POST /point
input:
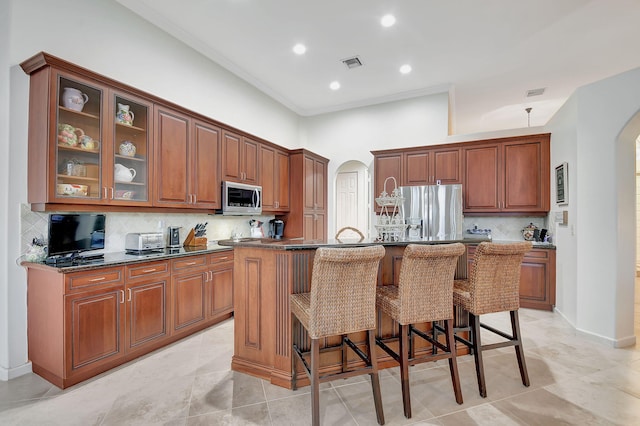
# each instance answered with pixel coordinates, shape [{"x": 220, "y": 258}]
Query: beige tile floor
[{"x": 573, "y": 381}]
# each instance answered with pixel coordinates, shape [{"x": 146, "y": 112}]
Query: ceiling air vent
[
  {"x": 353, "y": 62},
  {"x": 535, "y": 92}
]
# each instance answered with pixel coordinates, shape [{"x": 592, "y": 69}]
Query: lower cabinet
[
  {"x": 83, "y": 323},
  {"x": 537, "y": 278}
]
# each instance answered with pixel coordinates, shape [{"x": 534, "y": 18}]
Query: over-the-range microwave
[{"x": 241, "y": 199}]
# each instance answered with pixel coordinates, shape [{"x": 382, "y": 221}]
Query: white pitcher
[
  {"x": 123, "y": 174},
  {"x": 74, "y": 99}
]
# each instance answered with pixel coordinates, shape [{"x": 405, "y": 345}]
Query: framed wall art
[{"x": 562, "y": 184}]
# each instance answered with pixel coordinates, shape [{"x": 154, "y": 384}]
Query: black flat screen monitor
[{"x": 75, "y": 233}]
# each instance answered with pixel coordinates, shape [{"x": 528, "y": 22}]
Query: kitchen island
[{"x": 267, "y": 271}]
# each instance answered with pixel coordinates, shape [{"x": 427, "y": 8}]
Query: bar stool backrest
[
  {"x": 343, "y": 290},
  {"x": 494, "y": 281},
  {"x": 425, "y": 287}
]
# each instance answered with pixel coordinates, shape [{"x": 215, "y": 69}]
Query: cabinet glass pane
[
  {"x": 79, "y": 150},
  {"x": 131, "y": 153}
]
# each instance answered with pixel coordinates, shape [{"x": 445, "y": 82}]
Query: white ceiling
[{"x": 486, "y": 53}]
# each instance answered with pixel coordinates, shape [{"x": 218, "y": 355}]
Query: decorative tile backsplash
[
  {"x": 34, "y": 225},
  {"x": 118, "y": 225}
]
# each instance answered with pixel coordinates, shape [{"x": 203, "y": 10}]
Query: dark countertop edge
[
  {"x": 548, "y": 246},
  {"x": 301, "y": 244},
  {"x": 122, "y": 259}
]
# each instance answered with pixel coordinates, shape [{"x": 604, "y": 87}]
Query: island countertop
[{"x": 302, "y": 244}]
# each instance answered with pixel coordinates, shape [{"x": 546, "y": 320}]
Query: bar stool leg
[
  {"x": 453, "y": 364},
  {"x": 404, "y": 370},
  {"x": 315, "y": 382},
  {"x": 375, "y": 379},
  {"x": 515, "y": 327},
  {"x": 477, "y": 353}
]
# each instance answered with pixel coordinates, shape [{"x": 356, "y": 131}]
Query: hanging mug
[
  {"x": 74, "y": 99},
  {"x": 124, "y": 115}
]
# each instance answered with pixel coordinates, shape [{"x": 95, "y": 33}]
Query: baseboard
[
  {"x": 607, "y": 341},
  {"x": 12, "y": 373}
]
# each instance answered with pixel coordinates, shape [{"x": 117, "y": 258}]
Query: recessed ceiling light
[
  {"x": 299, "y": 49},
  {"x": 388, "y": 20},
  {"x": 334, "y": 85},
  {"x": 405, "y": 69}
]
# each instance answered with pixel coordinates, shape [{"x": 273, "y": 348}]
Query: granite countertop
[
  {"x": 302, "y": 244},
  {"x": 122, "y": 258}
]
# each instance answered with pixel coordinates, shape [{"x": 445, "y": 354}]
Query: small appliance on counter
[
  {"x": 173, "y": 237},
  {"x": 276, "y": 228},
  {"x": 143, "y": 242},
  {"x": 256, "y": 228}
]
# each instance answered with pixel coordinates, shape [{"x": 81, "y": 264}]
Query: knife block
[{"x": 193, "y": 241}]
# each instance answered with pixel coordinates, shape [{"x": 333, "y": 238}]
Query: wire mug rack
[{"x": 391, "y": 226}]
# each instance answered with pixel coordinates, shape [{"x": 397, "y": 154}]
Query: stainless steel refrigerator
[{"x": 432, "y": 212}]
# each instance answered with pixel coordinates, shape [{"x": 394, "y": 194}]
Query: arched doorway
[{"x": 352, "y": 198}]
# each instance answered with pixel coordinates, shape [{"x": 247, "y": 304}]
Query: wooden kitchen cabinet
[
  {"x": 74, "y": 139},
  {"x": 187, "y": 152},
  {"x": 537, "y": 277},
  {"x": 189, "y": 289},
  {"x": 416, "y": 167},
  {"x": 220, "y": 284},
  {"x": 508, "y": 175},
  {"x": 82, "y": 323},
  {"x": 239, "y": 158},
  {"x": 308, "y": 186},
  {"x": 432, "y": 166},
  {"x": 147, "y": 293},
  {"x": 274, "y": 178}
]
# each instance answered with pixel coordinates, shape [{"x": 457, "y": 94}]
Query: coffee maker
[
  {"x": 276, "y": 228},
  {"x": 173, "y": 237}
]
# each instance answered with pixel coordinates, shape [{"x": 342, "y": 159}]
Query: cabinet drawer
[
  {"x": 219, "y": 258},
  {"x": 95, "y": 278},
  {"x": 537, "y": 254},
  {"x": 147, "y": 270},
  {"x": 189, "y": 262}
]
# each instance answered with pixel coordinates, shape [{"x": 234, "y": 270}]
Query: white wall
[
  {"x": 5, "y": 29},
  {"x": 601, "y": 148},
  {"x": 352, "y": 134}
]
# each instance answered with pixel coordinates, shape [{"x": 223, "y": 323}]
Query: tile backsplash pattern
[
  {"x": 34, "y": 224},
  {"x": 118, "y": 225},
  {"x": 504, "y": 228}
]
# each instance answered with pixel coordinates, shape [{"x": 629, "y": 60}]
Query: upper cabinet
[
  {"x": 274, "y": 178},
  {"x": 308, "y": 184},
  {"x": 414, "y": 167},
  {"x": 239, "y": 158},
  {"x": 82, "y": 148},
  {"x": 186, "y": 149},
  {"x": 507, "y": 175},
  {"x": 503, "y": 176}
]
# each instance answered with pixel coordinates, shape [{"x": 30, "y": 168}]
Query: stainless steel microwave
[{"x": 241, "y": 199}]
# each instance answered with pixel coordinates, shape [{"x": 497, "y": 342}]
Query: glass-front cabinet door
[
  {"x": 130, "y": 150},
  {"x": 78, "y": 145}
]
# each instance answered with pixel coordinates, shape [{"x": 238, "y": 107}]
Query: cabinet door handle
[
  {"x": 146, "y": 271},
  {"x": 206, "y": 276},
  {"x": 111, "y": 192},
  {"x": 105, "y": 192},
  {"x": 121, "y": 296},
  {"x": 223, "y": 258},
  {"x": 93, "y": 280},
  {"x": 194, "y": 199},
  {"x": 128, "y": 295},
  {"x": 190, "y": 263},
  {"x": 211, "y": 279}
]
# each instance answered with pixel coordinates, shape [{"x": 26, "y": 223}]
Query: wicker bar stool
[
  {"x": 424, "y": 294},
  {"x": 493, "y": 286},
  {"x": 341, "y": 301}
]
